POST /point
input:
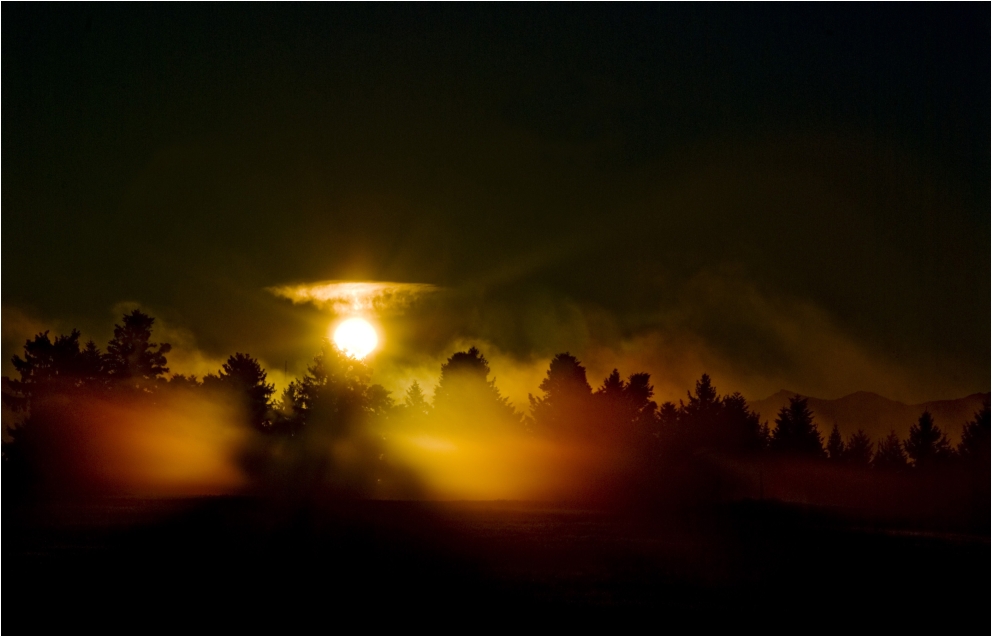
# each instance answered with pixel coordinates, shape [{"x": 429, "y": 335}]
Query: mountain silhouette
[{"x": 876, "y": 414}]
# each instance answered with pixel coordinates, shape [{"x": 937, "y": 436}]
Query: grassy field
[{"x": 243, "y": 565}]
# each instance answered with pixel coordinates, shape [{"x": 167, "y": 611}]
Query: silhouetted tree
[
  {"x": 858, "y": 450},
  {"x": 566, "y": 399},
  {"x": 53, "y": 377},
  {"x": 974, "y": 445},
  {"x": 415, "y": 403},
  {"x": 331, "y": 416},
  {"x": 668, "y": 417},
  {"x": 835, "y": 445},
  {"x": 92, "y": 372},
  {"x": 740, "y": 427},
  {"x": 708, "y": 420},
  {"x": 465, "y": 393},
  {"x": 692, "y": 423},
  {"x": 890, "y": 455},
  {"x": 131, "y": 357},
  {"x": 638, "y": 391},
  {"x": 51, "y": 367},
  {"x": 927, "y": 445},
  {"x": 796, "y": 432},
  {"x": 243, "y": 377},
  {"x": 335, "y": 394},
  {"x": 183, "y": 381},
  {"x": 625, "y": 409},
  {"x": 702, "y": 409}
]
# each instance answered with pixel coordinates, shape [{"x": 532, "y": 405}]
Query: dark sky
[{"x": 785, "y": 196}]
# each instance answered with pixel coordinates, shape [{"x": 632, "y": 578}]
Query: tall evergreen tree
[
  {"x": 739, "y": 427},
  {"x": 890, "y": 454},
  {"x": 91, "y": 366},
  {"x": 974, "y": 445},
  {"x": 835, "y": 445},
  {"x": 131, "y": 357},
  {"x": 668, "y": 417},
  {"x": 625, "y": 407},
  {"x": 927, "y": 445},
  {"x": 709, "y": 420},
  {"x": 858, "y": 450},
  {"x": 334, "y": 396},
  {"x": 702, "y": 408},
  {"x": 465, "y": 395},
  {"x": 565, "y": 402},
  {"x": 54, "y": 377},
  {"x": 243, "y": 377},
  {"x": 49, "y": 367},
  {"x": 796, "y": 432},
  {"x": 698, "y": 419},
  {"x": 415, "y": 403}
]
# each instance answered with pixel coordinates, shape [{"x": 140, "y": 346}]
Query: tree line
[{"x": 335, "y": 399}]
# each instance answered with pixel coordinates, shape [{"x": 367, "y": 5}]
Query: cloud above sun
[{"x": 356, "y": 297}]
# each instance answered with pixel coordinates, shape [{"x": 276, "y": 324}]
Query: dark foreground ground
[{"x": 242, "y": 565}]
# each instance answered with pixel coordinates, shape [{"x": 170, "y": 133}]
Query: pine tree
[
  {"x": 54, "y": 375},
  {"x": 890, "y": 455},
  {"x": 795, "y": 430},
  {"x": 465, "y": 395},
  {"x": 243, "y": 376},
  {"x": 131, "y": 357},
  {"x": 566, "y": 396},
  {"x": 334, "y": 396},
  {"x": 703, "y": 407},
  {"x": 927, "y": 445},
  {"x": 415, "y": 401},
  {"x": 858, "y": 451},
  {"x": 47, "y": 367},
  {"x": 738, "y": 427},
  {"x": 974, "y": 445},
  {"x": 625, "y": 407},
  {"x": 668, "y": 417},
  {"x": 641, "y": 410},
  {"x": 835, "y": 445},
  {"x": 699, "y": 418}
]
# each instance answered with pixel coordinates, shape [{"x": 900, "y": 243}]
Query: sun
[{"x": 356, "y": 337}]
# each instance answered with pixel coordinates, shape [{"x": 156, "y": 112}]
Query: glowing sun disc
[{"x": 356, "y": 337}]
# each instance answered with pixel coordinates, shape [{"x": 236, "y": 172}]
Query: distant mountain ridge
[{"x": 876, "y": 414}]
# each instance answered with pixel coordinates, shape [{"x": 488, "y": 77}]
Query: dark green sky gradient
[{"x": 533, "y": 159}]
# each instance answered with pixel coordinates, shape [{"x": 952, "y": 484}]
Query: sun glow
[{"x": 356, "y": 337}]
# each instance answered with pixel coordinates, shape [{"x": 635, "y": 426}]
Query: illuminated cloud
[{"x": 355, "y": 297}]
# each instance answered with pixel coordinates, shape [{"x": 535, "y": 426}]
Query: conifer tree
[
  {"x": 704, "y": 405},
  {"x": 795, "y": 430},
  {"x": 974, "y": 445},
  {"x": 131, "y": 357},
  {"x": 243, "y": 377},
  {"x": 890, "y": 455},
  {"x": 739, "y": 427},
  {"x": 625, "y": 407},
  {"x": 927, "y": 445},
  {"x": 835, "y": 445},
  {"x": 858, "y": 450},
  {"x": 566, "y": 396},
  {"x": 465, "y": 393},
  {"x": 415, "y": 402},
  {"x": 334, "y": 396}
]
